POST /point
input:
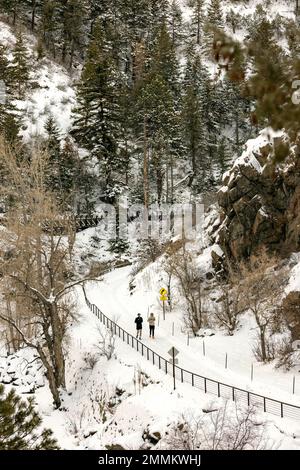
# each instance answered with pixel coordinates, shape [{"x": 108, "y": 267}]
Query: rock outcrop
[{"x": 260, "y": 201}]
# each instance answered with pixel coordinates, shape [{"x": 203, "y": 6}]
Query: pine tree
[
  {"x": 175, "y": 23},
  {"x": 194, "y": 119},
  {"x": 34, "y": 7},
  {"x": 223, "y": 159},
  {"x": 11, "y": 8},
  {"x": 9, "y": 126},
  {"x": 97, "y": 119},
  {"x": 19, "y": 67},
  {"x": 9, "y": 122},
  {"x": 164, "y": 61},
  {"x": 215, "y": 14},
  {"x": 69, "y": 172},
  {"x": 157, "y": 114},
  {"x": 234, "y": 19},
  {"x": 20, "y": 425},
  {"x": 238, "y": 111},
  {"x": 71, "y": 15},
  {"x": 197, "y": 18},
  {"x": 50, "y": 25},
  {"x": 214, "y": 24},
  {"x": 52, "y": 146},
  {"x": 4, "y": 64},
  {"x": 158, "y": 12}
]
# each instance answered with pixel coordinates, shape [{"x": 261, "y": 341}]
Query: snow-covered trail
[{"x": 112, "y": 296}]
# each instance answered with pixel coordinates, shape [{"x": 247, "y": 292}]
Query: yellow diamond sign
[{"x": 163, "y": 292}]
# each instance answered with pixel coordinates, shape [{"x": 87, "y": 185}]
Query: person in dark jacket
[{"x": 139, "y": 326}]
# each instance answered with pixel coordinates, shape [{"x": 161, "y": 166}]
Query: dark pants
[{"x": 152, "y": 328}]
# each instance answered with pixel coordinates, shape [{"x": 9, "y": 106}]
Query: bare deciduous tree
[
  {"x": 229, "y": 306},
  {"x": 36, "y": 266},
  {"x": 107, "y": 341},
  {"x": 261, "y": 288},
  {"x": 182, "y": 267}
]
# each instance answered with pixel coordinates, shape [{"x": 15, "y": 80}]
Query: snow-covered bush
[{"x": 223, "y": 429}]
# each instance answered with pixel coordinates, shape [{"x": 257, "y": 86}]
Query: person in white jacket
[{"x": 151, "y": 321}]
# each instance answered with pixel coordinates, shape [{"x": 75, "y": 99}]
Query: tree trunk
[
  {"x": 58, "y": 355},
  {"x": 51, "y": 377},
  {"x": 33, "y": 15},
  {"x": 146, "y": 166},
  {"x": 263, "y": 345}
]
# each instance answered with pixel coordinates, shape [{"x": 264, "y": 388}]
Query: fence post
[
  {"x": 281, "y": 409},
  {"x": 233, "y": 397},
  {"x": 166, "y": 365},
  {"x": 203, "y": 348},
  {"x": 153, "y": 358},
  {"x": 294, "y": 384},
  {"x": 219, "y": 394},
  {"x": 226, "y": 361},
  {"x": 147, "y": 354},
  {"x": 159, "y": 362},
  {"x": 205, "y": 385},
  {"x": 192, "y": 379},
  {"x": 181, "y": 375},
  {"x": 248, "y": 397},
  {"x": 265, "y": 407}
]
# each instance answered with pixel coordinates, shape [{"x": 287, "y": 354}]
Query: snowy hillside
[{"x": 153, "y": 109}]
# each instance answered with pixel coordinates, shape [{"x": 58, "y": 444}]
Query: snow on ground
[
  {"x": 119, "y": 302},
  {"x": 53, "y": 96},
  {"x": 51, "y": 92},
  {"x": 134, "y": 409}
]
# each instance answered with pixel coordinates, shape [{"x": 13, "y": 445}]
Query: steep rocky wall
[{"x": 260, "y": 201}]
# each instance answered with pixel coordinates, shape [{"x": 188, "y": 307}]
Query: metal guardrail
[{"x": 210, "y": 386}]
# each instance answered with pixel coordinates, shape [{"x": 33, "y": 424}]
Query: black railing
[{"x": 210, "y": 386}]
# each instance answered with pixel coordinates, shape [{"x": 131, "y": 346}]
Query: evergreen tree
[
  {"x": 194, "y": 118},
  {"x": 197, "y": 18},
  {"x": 50, "y": 25},
  {"x": 20, "y": 425},
  {"x": 97, "y": 116},
  {"x": 238, "y": 111},
  {"x": 9, "y": 126},
  {"x": 71, "y": 15},
  {"x": 164, "y": 61},
  {"x": 68, "y": 167},
  {"x": 157, "y": 113},
  {"x": 11, "y": 8},
  {"x": 234, "y": 20},
  {"x": 175, "y": 23},
  {"x": 9, "y": 122},
  {"x": 4, "y": 65},
  {"x": 158, "y": 12},
  {"x": 52, "y": 146},
  {"x": 34, "y": 7},
  {"x": 19, "y": 67},
  {"x": 214, "y": 24},
  {"x": 215, "y": 14}
]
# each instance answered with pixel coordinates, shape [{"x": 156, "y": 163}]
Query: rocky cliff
[{"x": 260, "y": 200}]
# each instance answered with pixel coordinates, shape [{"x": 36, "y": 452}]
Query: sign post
[
  {"x": 173, "y": 353},
  {"x": 164, "y": 297}
]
